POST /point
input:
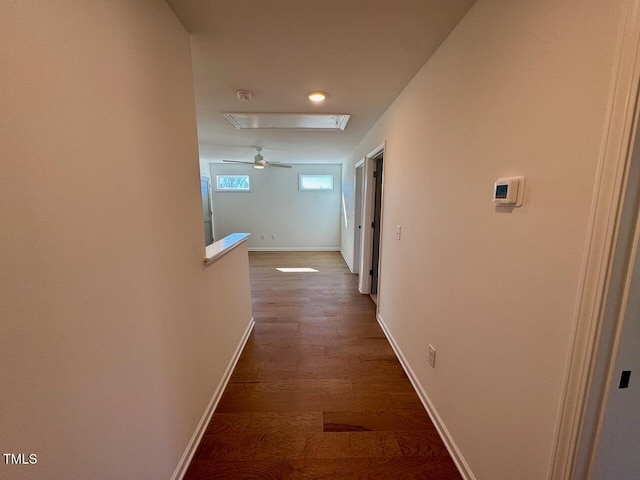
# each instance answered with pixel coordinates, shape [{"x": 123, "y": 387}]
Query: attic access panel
[{"x": 297, "y": 121}]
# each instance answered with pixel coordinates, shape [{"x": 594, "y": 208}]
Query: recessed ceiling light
[
  {"x": 317, "y": 97},
  {"x": 244, "y": 95},
  {"x": 258, "y": 166}
]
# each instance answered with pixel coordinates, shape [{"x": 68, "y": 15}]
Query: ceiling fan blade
[
  {"x": 238, "y": 161},
  {"x": 279, "y": 165}
]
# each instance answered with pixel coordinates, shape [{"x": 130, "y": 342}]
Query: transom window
[
  {"x": 315, "y": 182},
  {"x": 233, "y": 183}
]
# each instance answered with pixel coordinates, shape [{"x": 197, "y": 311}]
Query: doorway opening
[
  {"x": 376, "y": 224},
  {"x": 371, "y": 181},
  {"x": 207, "y": 210}
]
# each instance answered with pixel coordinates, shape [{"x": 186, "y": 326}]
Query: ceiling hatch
[{"x": 297, "y": 121}]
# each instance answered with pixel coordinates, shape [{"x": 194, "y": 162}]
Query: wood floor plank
[
  {"x": 351, "y": 445},
  {"x": 370, "y": 421},
  {"x": 421, "y": 443},
  {"x": 362, "y": 351},
  {"x": 221, "y": 470},
  {"x": 399, "y": 385},
  {"x": 351, "y": 319},
  {"x": 296, "y": 402},
  {"x": 257, "y": 350},
  {"x": 324, "y": 387},
  {"x": 393, "y": 468},
  {"x": 261, "y": 446},
  {"x": 311, "y": 339},
  {"x": 274, "y": 327},
  {"x": 234, "y": 423},
  {"x": 256, "y": 446},
  {"x": 407, "y": 401},
  {"x": 317, "y": 391}
]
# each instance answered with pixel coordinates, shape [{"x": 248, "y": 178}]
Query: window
[
  {"x": 233, "y": 183},
  {"x": 315, "y": 182}
]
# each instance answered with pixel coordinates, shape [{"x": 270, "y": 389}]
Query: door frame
[
  {"x": 358, "y": 189},
  {"x": 378, "y": 178},
  {"x": 619, "y": 305},
  {"x": 581, "y": 409},
  {"x": 366, "y": 236},
  {"x": 624, "y": 256}
]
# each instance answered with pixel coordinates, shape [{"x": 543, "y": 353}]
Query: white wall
[
  {"x": 114, "y": 334},
  {"x": 518, "y": 88},
  {"x": 299, "y": 220}
]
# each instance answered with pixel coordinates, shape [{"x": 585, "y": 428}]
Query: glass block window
[{"x": 233, "y": 183}]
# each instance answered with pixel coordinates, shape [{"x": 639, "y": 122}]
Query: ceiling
[{"x": 361, "y": 52}]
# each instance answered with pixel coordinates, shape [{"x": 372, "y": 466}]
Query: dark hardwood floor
[{"x": 318, "y": 392}]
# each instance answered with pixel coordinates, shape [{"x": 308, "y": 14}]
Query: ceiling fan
[{"x": 259, "y": 161}]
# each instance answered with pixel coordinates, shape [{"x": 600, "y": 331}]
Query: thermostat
[{"x": 508, "y": 192}]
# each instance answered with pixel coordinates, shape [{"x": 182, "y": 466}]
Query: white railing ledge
[{"x": 224, "y": 246}]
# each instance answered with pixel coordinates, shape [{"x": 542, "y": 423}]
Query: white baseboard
[
  {"x": 294, "y": 249},
  {"x": 184, "y": 462},
  {"x": 346, "y": 260},
  {"x": 454, "y": 451}
]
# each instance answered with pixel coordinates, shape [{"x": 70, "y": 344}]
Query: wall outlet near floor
[
  {"x": 432, "y": 356},
  {"x": 262, "y": 236},
  {"x": 273, "y": 236}
]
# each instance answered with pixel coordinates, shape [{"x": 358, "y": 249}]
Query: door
[
  {"x": 377, "y": 214},
  {"x": 207, "y": 212}
]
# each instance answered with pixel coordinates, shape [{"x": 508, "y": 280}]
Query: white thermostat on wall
[{"x": 508, "y": 192}]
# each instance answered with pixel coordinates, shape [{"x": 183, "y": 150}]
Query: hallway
[{"x": 318, "y": 391}]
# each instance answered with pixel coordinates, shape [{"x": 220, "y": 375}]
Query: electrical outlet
[
  {"x": 273, "y": 236},
  {"x": 262, "y": 236},
  {"x": 432, "y": 356},
  {"x": 398, "y": 232}
]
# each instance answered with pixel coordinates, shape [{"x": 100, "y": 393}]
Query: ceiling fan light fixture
[
  {"x": 316, "y": 97},
  {"x": 259, "y": 162}
]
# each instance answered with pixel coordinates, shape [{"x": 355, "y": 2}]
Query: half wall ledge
[{"x": 223, "y": 246}]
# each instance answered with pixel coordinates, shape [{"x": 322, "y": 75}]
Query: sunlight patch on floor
[{"x": 297, "y": 270}]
